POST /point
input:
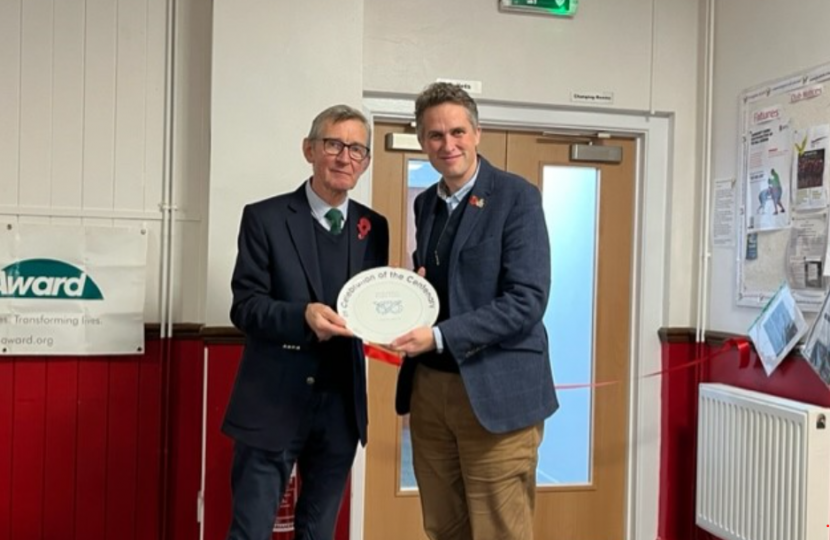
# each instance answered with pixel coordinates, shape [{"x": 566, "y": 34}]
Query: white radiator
[{"x": 763, "y": 466}]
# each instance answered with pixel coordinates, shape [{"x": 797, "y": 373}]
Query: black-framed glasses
[{"x": 333, "y": 147}]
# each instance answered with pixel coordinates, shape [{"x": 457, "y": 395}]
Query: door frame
[{"x": 653, "y": 133}]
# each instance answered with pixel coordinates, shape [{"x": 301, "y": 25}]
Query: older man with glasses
[{"x": 300, "y": 393}]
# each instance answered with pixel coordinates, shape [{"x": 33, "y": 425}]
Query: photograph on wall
[
  {"x": 816, "y": 348},
  {"x": 807, "y": 250},
  {"x": 752, "y": 246},
  {"x": 810, "y": 167},
  {"x": 768, "y": 173},
  {"x": 777, "y": 329}
]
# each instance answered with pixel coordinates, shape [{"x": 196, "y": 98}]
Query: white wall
[
  {"x": 532, "y": 59},
  {"x": 191, "y": 156},
  {"x": 275, "y": 66},
  {"x": 517, "y": 57},
  {"x": 85, "y": 89},
  {"x": 756, "y": 41},
  {"x": 82, "y": 122},
  {"x": 82, "y": 97}
]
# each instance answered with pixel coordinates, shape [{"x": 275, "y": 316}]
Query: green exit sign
[{"x": 559, "y": 8}]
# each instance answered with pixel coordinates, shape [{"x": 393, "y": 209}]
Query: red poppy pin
[
  {"x": 475, "y": 201},
  {"x": 363, "y": 228}
]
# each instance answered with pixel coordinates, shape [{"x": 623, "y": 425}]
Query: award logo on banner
[{"x": 71, "y": 290}]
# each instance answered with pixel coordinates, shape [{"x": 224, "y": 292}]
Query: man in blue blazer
[
  {"x": 300, "y": 393},
  {"x": 478, "y": 385}
]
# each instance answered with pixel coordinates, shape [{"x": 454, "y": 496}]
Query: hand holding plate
[
  {"x": 415, "y": 342},
  {"x": 325, "y": 322}
]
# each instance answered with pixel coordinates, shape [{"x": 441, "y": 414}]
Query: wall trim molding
[
  {"x": 222, "y": 335},
  {"x": 180, "y": 330},
  {"x": 687, "y": 335}
]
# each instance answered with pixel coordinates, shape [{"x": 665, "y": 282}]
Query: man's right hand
[
  {"x": 325, "y": 322},
  {"x": 415, "y": 342}
]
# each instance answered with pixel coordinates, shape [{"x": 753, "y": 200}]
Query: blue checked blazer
[{"x": 499, "y": 282}]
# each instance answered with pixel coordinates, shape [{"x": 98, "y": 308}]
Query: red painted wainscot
[
  {"x": 794, "y": 379},
  {"x": 110, "y": 447},
  {"x": 223, "y": 351}
]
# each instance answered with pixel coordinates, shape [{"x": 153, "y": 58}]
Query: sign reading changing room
[{"x": 71, "y": 290}]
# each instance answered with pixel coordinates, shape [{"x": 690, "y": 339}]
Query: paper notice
[{"x": 723, "y": 214}]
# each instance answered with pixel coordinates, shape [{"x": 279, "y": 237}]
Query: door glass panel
[
  {"x": 420, "y": 174},
  {"x": 570, "y": 197}
]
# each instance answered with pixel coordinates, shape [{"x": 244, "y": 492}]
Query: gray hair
[
  {"x": 336, "y": 114},
  {"x": 442, "y": 92}
]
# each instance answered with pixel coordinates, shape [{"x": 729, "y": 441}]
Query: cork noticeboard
[{"x": 784, "y": 160}]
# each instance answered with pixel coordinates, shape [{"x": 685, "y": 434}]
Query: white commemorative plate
[{"x": 384, "y": 303}]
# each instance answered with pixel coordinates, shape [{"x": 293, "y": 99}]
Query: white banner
[{"x": 71, "y": 290}]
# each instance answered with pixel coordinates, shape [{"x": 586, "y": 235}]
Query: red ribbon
[
  {"x": 740, "y": 344},
  {"x": 377, "y": 353},
  {"x": 743, "y": 347}
]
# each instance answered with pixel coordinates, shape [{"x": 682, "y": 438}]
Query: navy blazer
[
  {"x": 277, "y": 274},
  {"x": 499, "y": 282}
]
